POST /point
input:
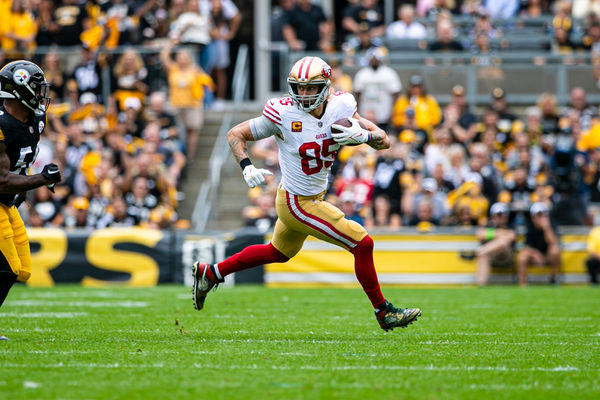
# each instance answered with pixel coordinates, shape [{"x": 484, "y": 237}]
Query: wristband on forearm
[
  {"x": 245, "y": 162},
  {"x": 490, "y": 233}
]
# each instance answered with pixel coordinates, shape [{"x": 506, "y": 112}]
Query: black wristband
[{"x": 245, "y": 162}]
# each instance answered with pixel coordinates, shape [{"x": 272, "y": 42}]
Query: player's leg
[
  {"x": 10, "y": 263},
  {"x": 553, "y": 257},
  {"x": 21, "y": 241},
  {"x": 593, "y": 266},
  {"x": 284, "y": 245},
  {"x": 318, "y": 218}
]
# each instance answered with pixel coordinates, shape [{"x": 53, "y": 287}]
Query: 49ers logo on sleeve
[{"x": 296, "y": 126}]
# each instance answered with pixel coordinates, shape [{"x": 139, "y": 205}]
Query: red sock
[
  {"x": 364, "y": 268},
  {"x": 250, "y": 257}
]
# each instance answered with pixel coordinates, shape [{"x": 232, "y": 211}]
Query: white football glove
[
  {"x": 255, "y": 176},
  {"x": 350, "y": 135}
]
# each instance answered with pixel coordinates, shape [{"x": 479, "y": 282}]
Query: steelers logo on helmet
[
  {"x": 21, "y": 77},
  {"x": 25, "y": 82},
  {"x": 308, "y": 83}
]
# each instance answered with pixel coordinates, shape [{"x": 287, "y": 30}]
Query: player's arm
[
  {"x": 237, "y": 137},
  {"x": 378, "y": 139},
  {"x": 14, "y": 183}
]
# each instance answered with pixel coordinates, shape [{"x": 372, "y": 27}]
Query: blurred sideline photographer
[
  {"x": 541, "y": 244},
  {"x": 593, "y": 261},
  {"x": 498, "y": 240},
  {"x": 25, "y": 92}
]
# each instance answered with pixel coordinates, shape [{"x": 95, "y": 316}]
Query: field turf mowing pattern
[{"x": 251, "y": 342}]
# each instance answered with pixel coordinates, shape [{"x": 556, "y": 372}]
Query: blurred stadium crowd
[
  {"x": 449, "y": 163},
  {"x": 123, "y": 151}
]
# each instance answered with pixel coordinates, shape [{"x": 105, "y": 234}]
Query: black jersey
[{"x": 21, "y": 140}]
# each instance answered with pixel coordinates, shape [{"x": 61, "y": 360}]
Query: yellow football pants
[
  {"x": 14, "y": 243},
  {"x": 300, "y": 216}
]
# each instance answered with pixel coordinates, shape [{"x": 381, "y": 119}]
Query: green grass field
[{"x": 71, "y": 342}]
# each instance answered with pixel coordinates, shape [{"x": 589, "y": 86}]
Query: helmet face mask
[
  {"x": 24, "y": 81},
  {"x": 309, "y": 71}
]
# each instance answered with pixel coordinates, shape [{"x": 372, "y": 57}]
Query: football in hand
[{"x": 345, "y": 122}]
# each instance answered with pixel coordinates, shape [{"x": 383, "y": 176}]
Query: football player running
[
  {"x": 25, "y": 92},
  {"x": 301, "y": 124}
]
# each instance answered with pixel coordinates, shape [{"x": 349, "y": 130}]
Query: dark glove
[{"x": 51, "y": 173}]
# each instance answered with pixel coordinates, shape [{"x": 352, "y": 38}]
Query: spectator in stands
[
  {"x": 140, "y": 201},
  {"x": 88, "y": 73},
  {"x": 451, "y": 123},
  {"x": 427, "y": 110},
  {"x": 562, "y": 43},
  {"x": 129, "y": 78},
  {"x": 367, "y": 15},
  {"x": 500, "y": 105},
  {"x": 192, "y": 29},
  {"x": 580, "y": 109},
  {"x": 69, "y": 17},
  {"x": 46, "y": 207},
  {"x": 307, "y": 28},
  {"x": 593, "y": 261},
  {"x": 225, "y": 25},
  {"x": 583, "y": 8},
  {"x": 541, "y": 245},
  {"x": 358, "y": 48},
  {"x": 411, "y": 133},
  {"x": 485, "y": 56},
  {"x": 468, "y": 195},
  {"x": 433, "y": 8},
  {"x": 187, "y": 83},
  {"x": 387, "y": 179},
  {"x": 479, "y": 161},
  {"x": 166, "y": 152},
  {"x": 18, "y": 41},
  {"x": 423, "y": 218},
  {"x": 445, "y": 38},
  {"x": 168, "y": 124},
  {"x": 535, "y": 9},
  {"x": 130, "y": 123},
  {"x": 444, "y": 185},
  {"x": 55, "y": 75},
  {"x": 406, "y": 27},
  {"x": 377, "y": 87},
  {"x": 437, "y": 152},
  {"x": 549, "y": 114},
  {"x": 46, "y": 26},
  {"x": 262, "y": 215},
  {"x": 483, "y": 26},
  {"x": 562, "y": 16},
  {"x": 382, "y": 214},
  {"x": 501, "y": 9},
  {"x": 349, "y": 207},
  {"x": 437, "y": 199},
  {"x": 466, "y": 119},
  {"x": 116, "y": 215},
  {"x": 497, "y": 243},
  {"x": 76, "y": 213}
]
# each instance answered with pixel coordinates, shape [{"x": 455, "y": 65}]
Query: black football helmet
[{"x": 25, "y": 81}]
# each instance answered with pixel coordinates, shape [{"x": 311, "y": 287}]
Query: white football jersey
[{"x": 306, "y": 148}]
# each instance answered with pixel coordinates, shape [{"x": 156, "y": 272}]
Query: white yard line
[{"x": 92, "y": 304}]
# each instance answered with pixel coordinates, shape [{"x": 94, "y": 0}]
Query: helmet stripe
[
  {"x": 300, "y": 69},
  {"x": 308, "y": 67}
]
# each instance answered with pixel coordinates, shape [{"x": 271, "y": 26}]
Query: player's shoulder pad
[
  {"x": 345, "y": 99},
  {"x": 276, "y": 107}
]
